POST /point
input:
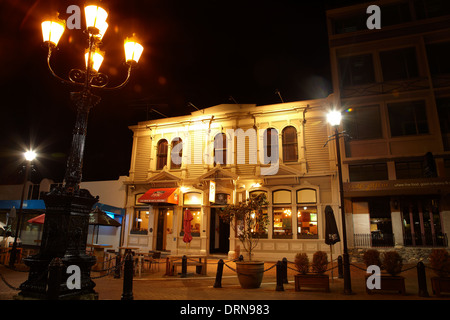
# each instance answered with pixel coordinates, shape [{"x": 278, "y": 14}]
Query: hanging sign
[{"x": 212, "y": 191}]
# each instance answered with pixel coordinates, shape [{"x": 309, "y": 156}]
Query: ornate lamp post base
[{"x": 64, "y": 236}]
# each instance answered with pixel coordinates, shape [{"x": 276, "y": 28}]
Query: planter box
[
  {"x": 389, "y": 283},
  {"x": 321, "y": 281},
  {"x": 440, "y": 284}
]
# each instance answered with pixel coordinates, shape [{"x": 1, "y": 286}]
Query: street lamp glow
[
  {"x": 96, "y": 59},
  {"x": 30, "y": 155},
  {"x": 96, "y": 19},
  {"x": 133, "y": 50},
  {"x": 334, "y": 118},
  {"x": 52, "y": 30}
]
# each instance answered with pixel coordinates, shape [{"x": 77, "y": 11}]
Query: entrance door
[
  {"x": 162, "y": 225},
  {"x": 219, "y": 234}
]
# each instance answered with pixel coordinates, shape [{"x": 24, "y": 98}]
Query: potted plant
[
  {"x": 316, "y": 279},
  {"x": 249, "y": 223},
  {"x": 392, "y": 263},
  {"x": 440, "y": 263},
  {"x": 372, "y": 258},
  {"x": 302, "y": 263}
]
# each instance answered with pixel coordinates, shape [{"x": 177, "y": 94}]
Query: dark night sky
[{"x": 199, "y": 51}]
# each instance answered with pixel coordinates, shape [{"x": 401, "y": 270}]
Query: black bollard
[
  {"x": 340, "y": 268},
  {"x": 117, "y": 267},
  {"x": 422, "y": 280},
  {"x": 279, "y": 276},
  {"x": 184, "y": 266},
  {"x": 55, "y": 269},
  {"x": 218, "y": 283},
  {"x": 127, "y": 293},
  {"x": 285, "y": 264}
]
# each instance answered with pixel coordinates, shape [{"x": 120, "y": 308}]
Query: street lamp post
[
  {"x": 334, "y": 119},
  {"x": 29, "y": 157},
  {"x": 68, "y": 207}
]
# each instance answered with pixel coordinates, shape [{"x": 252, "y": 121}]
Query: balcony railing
[
  {"x": 387, "y": 240},
  {"x": 374, "y": 239},
  {"x": 426, "y": 240}
]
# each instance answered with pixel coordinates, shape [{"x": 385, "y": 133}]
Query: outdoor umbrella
[
  {"x": 187, "y": 218},
  {"x": 37, "y": 220},
  {"x": 331, "y": 232},
  {"x": 98, "y": 218}
]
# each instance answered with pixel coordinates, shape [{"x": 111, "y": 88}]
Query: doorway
[
  {"x": 219, "y": 235},
  {"x": 164, "y": 225}
]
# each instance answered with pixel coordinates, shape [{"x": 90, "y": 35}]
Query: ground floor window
[
  {"x": 140, "y": 221},
  {"x": 195, "y": 214},
  {"x": 282, "y": 222},
  {"x": 422, "y": 223},
  {"x": 307, "y": 222}
]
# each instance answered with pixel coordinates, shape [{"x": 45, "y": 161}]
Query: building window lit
[
  {"x": 307, "y": 218},
  {"x": 282, "y": 214},
  {"x": 140, "y": 221},
  {"x": 195, "y": 222},
  {"x": 263, "y": 232},
  {"x": 290, "y": 148},
  {"x": 220, "y": 149},
  {"x": 176, "y": 153},
  {"x": 161, "y": 155}
]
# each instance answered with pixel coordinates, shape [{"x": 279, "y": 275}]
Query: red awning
[{"x": 161, "y": 195}]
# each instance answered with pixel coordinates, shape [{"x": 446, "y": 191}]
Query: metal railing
[{"x": 368, "y": 240}]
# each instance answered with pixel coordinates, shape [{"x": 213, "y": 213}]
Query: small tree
[{"x": 247, "y": 220}]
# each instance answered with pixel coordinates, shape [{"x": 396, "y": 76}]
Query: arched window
[
  {"x": 289, "y": 137},
  {"x": 220, "y": 149},
  {"x": 176, "y": 153},
  {"x": 270, "y": 145},
  {"x": 161, "y": 154}
]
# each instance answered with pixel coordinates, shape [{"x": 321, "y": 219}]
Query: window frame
[
  {"x": 287, "y": 145},
  {"x": 161, "y": 155}
]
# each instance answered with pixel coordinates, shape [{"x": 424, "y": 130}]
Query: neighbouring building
[
  {"x": 221, "y": 155},
  {"x": 111, "y": 200},
  {"x": 393, "y": 86}
]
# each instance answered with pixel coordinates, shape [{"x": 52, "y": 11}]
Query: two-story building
[{"x": 220, "y": 155}]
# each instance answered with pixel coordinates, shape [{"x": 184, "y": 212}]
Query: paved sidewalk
[{"x": 155, "y": 285}]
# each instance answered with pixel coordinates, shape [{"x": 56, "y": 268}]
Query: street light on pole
[
  {"x": 29, "y": 155},
  {"x": 334, "y": 119},
  {"x": 66, "y": 223}
]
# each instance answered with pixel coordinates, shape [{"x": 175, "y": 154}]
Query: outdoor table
[
  {"x": 99, "y": 253},
  {"x": 173, "y": 261},
  {"x": 128, "y": 249}
]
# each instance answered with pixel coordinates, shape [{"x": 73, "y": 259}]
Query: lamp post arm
[
  {"x": 120, "y": 86},
  {"x": 64, "y": 81}
]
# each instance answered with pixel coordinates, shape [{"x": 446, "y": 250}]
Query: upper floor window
[
  {"x": 363, "y": 122},
  {"x": 176, "y": 153},
  {"x": 438, "y": 60},
  {"x": 409, "y": 170},
  {"x": 368, "y": 172},
  {"x": 408, "y": 118},
  {"x": 161, "y": 154},
  {"x": 426, "y": 9},
  {"x": 399, "y": 64},
  {"x": 290, "y": 144},
  {"x": 270, "y": 142},
  {"x": 220, "y": 149},
  {"x": 357, "y": 70}
]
